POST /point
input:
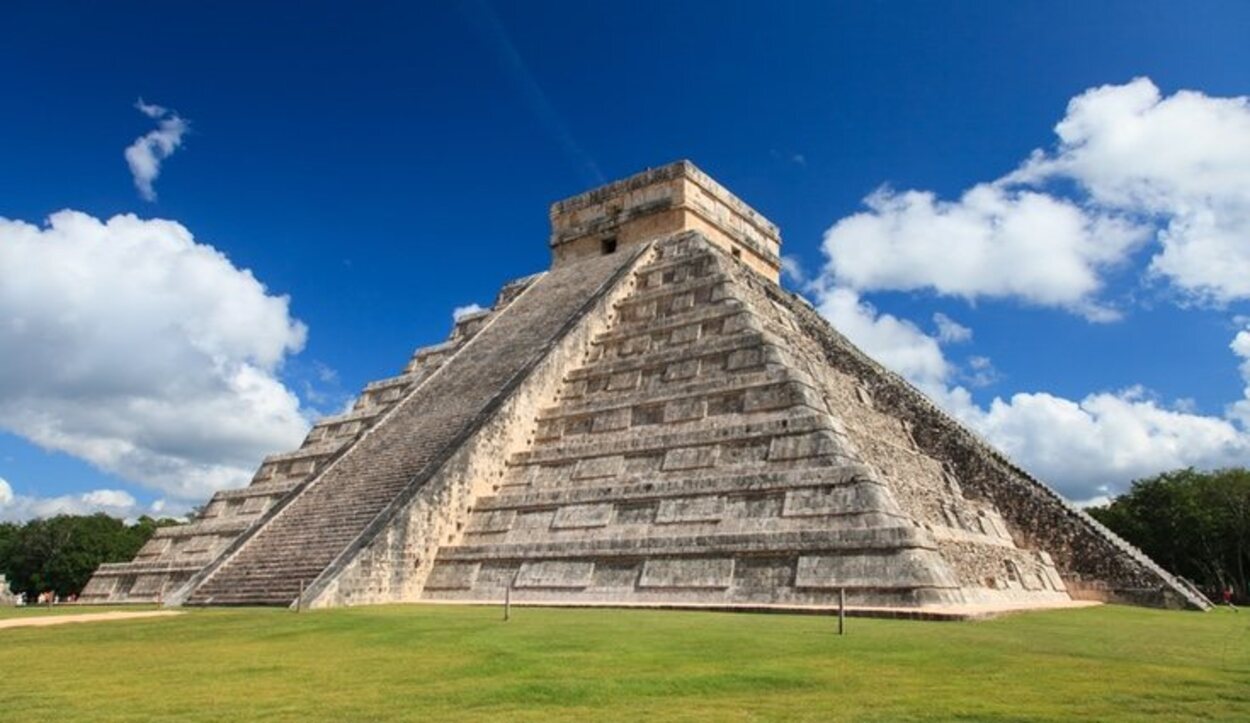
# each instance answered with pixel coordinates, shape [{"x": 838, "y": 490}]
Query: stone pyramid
[{"x": 653, "y": 421}]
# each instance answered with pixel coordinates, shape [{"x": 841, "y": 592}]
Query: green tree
[
  {"x": 1196, "y": 524},
  {"x": 60, "y": 553}
]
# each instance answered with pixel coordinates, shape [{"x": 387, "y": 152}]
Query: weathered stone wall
[
  {"x": 973, "y": 538},
  {"x": 1094, "y": 563},
  {"x": 691, "y": 460},
  {"x": 663, "y": 201}
]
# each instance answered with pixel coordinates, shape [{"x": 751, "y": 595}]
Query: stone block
[
  {"x": 616, "y": 574},
  {"x": 762, "y": 399},
  {"x": 624, "y": 381},
  {"x": 690, "y": 509},
  {"x": 555, "y": 574},
  {"x": 690, "y": 458},
  {"x": 744, "y": 359},
  {"x": 549, "y": 429},
  {"x": 582, "y": 516},
  {"x": 692, "y": 572},
  {"x": 598, "y": 467},
  {"x": 685, "y": 369},
  {"x": 903, "y": 568},
  {"x": 739, "y": 322},
  {"x": 820, "y": 501},
  {"x": 801, "y": 446},
  {"x": 684, "y": 335},
  {"x": 452, "y": 576},
  {"x": 648, "y": 414},
  {"x": 634, "y": 345},
  {"x": 612, "y": 420},
  {"x": 489, "y": 521},
  {"x": 682, "y": 410}
]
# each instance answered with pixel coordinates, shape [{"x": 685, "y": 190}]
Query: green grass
[{"x": 464, "y": 663}]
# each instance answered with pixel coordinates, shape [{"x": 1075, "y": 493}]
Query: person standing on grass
[{"x": 1228, "y": 598}]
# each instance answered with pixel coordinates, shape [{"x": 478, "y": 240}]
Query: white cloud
[
  {"x": 1098, "y": 444},
  {"x": 130, "y": 345},
  {"x": 145, "y": 155},
  {"x": 118, "y": 503},
  {"x": 1241, "y": 347},
  {"x": 951, "y": 331},
  {"x": 1135, "y": 168},
  {"x": 1139, "y": 167},
  {"x": 460, "y": 312},
  {"x": 1183, "y": 159},
  {"x": 992, "y": 242},
  {"x": 896, "y": 343}
]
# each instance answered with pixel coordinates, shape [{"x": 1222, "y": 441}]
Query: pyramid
[{"x": 653, "y": 421}]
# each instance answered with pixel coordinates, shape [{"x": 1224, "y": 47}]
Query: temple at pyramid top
[{"x": 659, "y": 202}]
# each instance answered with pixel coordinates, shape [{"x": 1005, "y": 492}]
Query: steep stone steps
[{"x": 316, "y": 527}]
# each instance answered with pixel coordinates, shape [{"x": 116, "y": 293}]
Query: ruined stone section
[
  {"x": 691, "y": 459},
  {"x": 323, "y": 530},
  {"x": 978, "y": 504},
  {"x": 661, "y": 202},
  {"x": 7, "y": 598},
  {"x": 176, "y": 554}
]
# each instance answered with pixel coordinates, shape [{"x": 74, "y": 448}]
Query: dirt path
[{"x": 42, "y": 620}]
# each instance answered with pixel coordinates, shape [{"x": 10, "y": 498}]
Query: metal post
[
  {"x": 507, "y": 601},
  {"x": 841, "y": 611},
  {"x": 299, "y": 601}
]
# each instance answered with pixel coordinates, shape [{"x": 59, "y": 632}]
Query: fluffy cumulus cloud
[
  {"x": 1092, "y": 447},
  {"x": 134, "y": 347},
  {"x": 149, "y": 150},
  {"x": 992, "y": 242},
  {"x": 1169, "y": 171},
  {"x": 1132, "y": 170},
  {"x": 1182, "y": 161},
  {"x": 118, "y": 503}
]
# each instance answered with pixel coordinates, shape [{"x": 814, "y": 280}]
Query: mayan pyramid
[{"x": 652, "y": 421}]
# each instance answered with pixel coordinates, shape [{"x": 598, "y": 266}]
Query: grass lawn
[{"x": 464, "y": 663}]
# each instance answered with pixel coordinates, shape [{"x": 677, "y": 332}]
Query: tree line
[
  {"x": 59, "y": 553},
  {"x": 1195, "y": 524}
]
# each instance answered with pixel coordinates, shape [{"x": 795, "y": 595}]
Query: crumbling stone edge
[{"x": 1096, "y": 563}]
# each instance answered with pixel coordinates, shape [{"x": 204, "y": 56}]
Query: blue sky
[{"x": 380, "y": 167}]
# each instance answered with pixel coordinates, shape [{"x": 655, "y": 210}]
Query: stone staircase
[
  {"x": 687, "y": 461},
  {"x": 175, "y": 554},
  {"x": 302, "y": 539}
]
